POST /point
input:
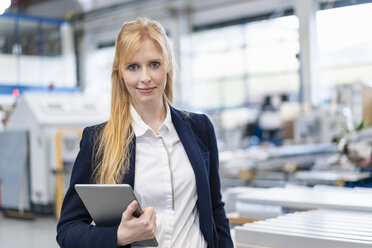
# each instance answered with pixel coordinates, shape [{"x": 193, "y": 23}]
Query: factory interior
[{"x": 287, "y": 85}]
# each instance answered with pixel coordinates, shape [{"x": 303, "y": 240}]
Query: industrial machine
[
  {"x": 314, "y": 228},
  {"x": 54, "y": 123},
  {"x": 14, "y": 184},
  {"x": 322, "y": 125},
  {"x": 357, "y": 146}
]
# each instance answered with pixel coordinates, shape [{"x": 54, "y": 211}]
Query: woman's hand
[{"x": 136, "y": 229}]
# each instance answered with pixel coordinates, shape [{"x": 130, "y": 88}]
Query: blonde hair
[{"x": 112, "y": 150}]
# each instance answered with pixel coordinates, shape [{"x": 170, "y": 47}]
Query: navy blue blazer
[{"x": 198, "y": 138}]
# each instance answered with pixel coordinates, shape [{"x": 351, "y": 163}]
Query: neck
[{"x": 152, "y": 114}]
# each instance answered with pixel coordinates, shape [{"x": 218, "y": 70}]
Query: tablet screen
[{"x": 107, "y": 202}]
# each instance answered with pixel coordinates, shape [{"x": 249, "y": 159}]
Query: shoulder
[
  {"x": 91, "y": 133},
  {"x": 192, "y": 117},
  {"x": 95, "y": 128},
  {"x": 199, "y": 122}
]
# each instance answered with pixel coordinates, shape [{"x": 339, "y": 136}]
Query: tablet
[{"x": 107, "y": 202}]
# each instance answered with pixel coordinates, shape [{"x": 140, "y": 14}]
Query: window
[
  {"x": 51, "y": 40},
  {"x": 7, "y": 35},
  {"x": 218, "y": 67},
  {"x": 272, "y": 65},
  {"x": 31, "y": 54},
  {"x": 345, "y": 46},
  {"x": 29, "y": 37},
  {"x": 240, "y": 64}
]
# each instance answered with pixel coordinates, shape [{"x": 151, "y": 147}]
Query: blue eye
[
  {"x": 133, "y": 67},
  {"x": 154, "y": 64}
]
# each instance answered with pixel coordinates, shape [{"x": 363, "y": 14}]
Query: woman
[{"x": 169, "y": 157}]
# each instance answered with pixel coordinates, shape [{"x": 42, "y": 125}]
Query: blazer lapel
[
  {"x": 188, "y": 139},
  {"x": 194, "y": 154},
  {"x": 189, "y": 142}
]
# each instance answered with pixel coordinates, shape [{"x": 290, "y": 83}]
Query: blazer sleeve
[
  {"x": 219, "y": 215},
  {"x": 74, "y": 229}
]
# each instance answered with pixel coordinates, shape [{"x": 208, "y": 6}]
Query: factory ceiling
[
  {"x": 68, "y": 8},
  {"x": 61, "y": 8}
]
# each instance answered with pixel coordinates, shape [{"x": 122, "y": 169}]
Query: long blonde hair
[{"x": 112, "y": 150}]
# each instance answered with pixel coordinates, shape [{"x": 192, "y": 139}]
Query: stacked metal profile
[{"x": 315, "y": 228}]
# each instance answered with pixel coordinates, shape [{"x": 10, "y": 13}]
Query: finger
[
  {"x": 153, "y": 225},
  {"x": 154, "y": 216},
  {"x": 153, "y": 219},
  {"x": 149, "y": 211},
  {"x": 128, "y": 213},
  {"x": 148, "y": 224},
  {"x": 147, "y": 215}
]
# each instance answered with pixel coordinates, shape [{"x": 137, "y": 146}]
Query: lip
[{"x": 146, "y": 90}]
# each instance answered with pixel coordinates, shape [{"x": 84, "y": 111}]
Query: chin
[{"x": 148, "y": 100}]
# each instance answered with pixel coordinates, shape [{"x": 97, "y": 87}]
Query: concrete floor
[{"x": 37, "y": 233}]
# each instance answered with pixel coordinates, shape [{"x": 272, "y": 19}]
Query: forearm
[
  {"x": 83, "y": 235},
  {"x": 223, "y": 228}
]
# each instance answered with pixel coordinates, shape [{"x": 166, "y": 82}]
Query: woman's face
[{"x": 145, "y": 75}]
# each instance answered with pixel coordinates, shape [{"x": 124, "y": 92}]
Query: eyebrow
[{"x": 151, "y": 60}]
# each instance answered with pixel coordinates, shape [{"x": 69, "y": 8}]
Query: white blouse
[{"x": 165, "y": 180}]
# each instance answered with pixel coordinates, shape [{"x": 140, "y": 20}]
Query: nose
[{"x": 145, "y": 75}]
